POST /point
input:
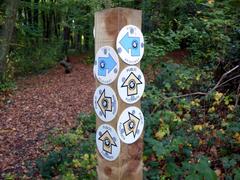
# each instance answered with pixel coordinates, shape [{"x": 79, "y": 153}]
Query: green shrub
[
  {"x": 6, "y": 86},
  {"x": 71, "y": 157},
  {"x": 36, "y": 58},
  {"x": 180, "y": 129}
]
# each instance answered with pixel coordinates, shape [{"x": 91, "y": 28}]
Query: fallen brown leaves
[{"x": 41, "y": 103}]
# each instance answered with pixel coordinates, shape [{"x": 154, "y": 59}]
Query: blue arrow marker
[
  {"x": 104, "y": 64},
  {"x": 132, "y": 43}
]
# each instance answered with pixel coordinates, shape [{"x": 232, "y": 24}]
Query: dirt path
[{"x": 42, "y": 103}]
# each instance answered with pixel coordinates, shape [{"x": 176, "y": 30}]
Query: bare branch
[
  {"x": 235, "y": 77},
  {"x": 186, "y": 95},
  {"x": 219, "y": 83},
  {"x": 222, "y": 77},
  {"x": 214, "y": 88}
]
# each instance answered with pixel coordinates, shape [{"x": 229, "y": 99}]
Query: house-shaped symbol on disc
[
  {"x": 132, "y": 83},
  {"x": 131, "y": 125},
  {"x": 108, "y": 142},
  {"x": 104, "y": 103}
]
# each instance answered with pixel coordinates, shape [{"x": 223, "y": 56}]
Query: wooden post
[{"x": 129, "y": 165}]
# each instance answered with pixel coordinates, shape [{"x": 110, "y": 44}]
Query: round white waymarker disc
[
  {"x": 131, "y": 84},
  {"x": 106, "y": 65},
  {"x": 108, "y": 142},
  {"x": 130, "y": 44},
  {"x": 130, "y": 125},
  {"x": 105, "y": 103}
]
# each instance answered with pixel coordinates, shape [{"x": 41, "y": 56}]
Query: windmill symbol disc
[
  {"x": 106, "y": 65},
  {"x": 130, "y": 44},
  {"x": 108, "y": 142},
  {"x": 130, "y": 125},
  {"x": 105, "y": 103},
  {"x": 131, "y": 84}
]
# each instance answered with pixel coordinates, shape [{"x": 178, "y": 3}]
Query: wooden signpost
[{"x": 120, "y": 83}]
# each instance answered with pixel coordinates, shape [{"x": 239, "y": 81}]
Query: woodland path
[{"x": 40, "y": 104}]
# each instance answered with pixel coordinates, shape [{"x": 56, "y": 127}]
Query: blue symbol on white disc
[
  {"x": 106, "y": 67},
  {"x": 130, "y": 44},
  {"x": 106, "y": 64}
]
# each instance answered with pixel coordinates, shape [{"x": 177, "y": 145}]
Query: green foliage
[
  {"x": 45, "y": 30},
  {"x": 179, "y": 78},
  {"x": 158, "y": 44},
  {"x": 9, "y": 176},
  {"x": 71, "y": 157},
  {"x": 198, "y": 170},
  {"x": 210, "y": 33},
  {"x": 35, "y": 59},
  {"x": 7, "y": 86},
  {"x": 179, "y": 130}
]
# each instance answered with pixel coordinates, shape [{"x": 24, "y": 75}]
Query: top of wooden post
[{"x": 113, "y": 20}]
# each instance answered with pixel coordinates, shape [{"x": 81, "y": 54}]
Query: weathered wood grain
[{"x": 128, "y": 166}]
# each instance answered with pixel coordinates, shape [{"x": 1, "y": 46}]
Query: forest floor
[{"x": 40, "y": 104}]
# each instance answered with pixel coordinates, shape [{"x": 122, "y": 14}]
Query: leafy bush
[
  {"x": 186, "y": 136},
  {"x": 7, "y": 86},
  {"x": 210, "y": 34},
  {"x": 34, "y": 59},
  {"x": 71, "y": 157}
]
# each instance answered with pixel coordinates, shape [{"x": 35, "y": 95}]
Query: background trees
[
  {"x": 8, "y": 11},
  {"x": 44, "y": 31}
]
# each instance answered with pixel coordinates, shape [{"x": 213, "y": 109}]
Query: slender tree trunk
[
  {"x": 29, "y": 13},
  {"x": 35, "y": 14},
  {"x": 25, "y": 16},
  {"x": 43, "y": 19},
  {"x": 55, "y": 22},
  {"x": 49, "y": 21},
  {"x": 87, "y": 32},
  {"x": 20, "y": 14},
  {"x": 66, "y": 37},
  {"x": 35, "y": 19},
  {"x": 86, "y": 38},
  {"x": 54, "y": 18},
  {"x": 6, "y": 35},
  {"x": 78, "y": 41},
  {"x": 48, "y": 31}
]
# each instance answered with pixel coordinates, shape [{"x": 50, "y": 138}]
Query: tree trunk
[
  {"x": 29, "y": 13},
  {"x": 66, "y": 37},
  {"x": 55, "y": 22},
  {"x": 78, "y": 41},
  {"x": 6, "y": 35},
  {"x": 48, "y": 26},
  {"x": 43, "y": 14},
  {"x": 35, "y": 14}
]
